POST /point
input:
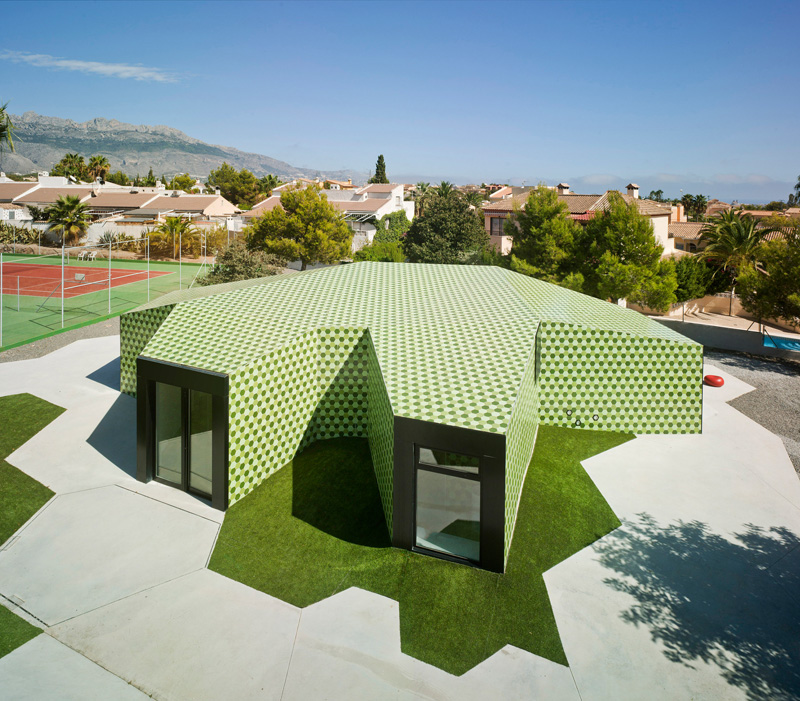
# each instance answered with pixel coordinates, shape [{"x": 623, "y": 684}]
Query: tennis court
[
  {"x": 36, "y": 302},
  {"x": 45, "y": 280}
]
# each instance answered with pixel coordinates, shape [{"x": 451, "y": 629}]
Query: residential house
[
  {"x": 360, "y": 208},
  {"x": 581, "y": 208}
]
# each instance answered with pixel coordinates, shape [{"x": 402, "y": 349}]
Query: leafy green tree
[
  {"x": 656, "y": 195},
  {"x": 543, "y": 235},
  {"x": 240, "y": 187},
  {"x": 794, "y": 198},
  {"x": 237, "y": 262},
  {"x": 386, "y": 251},
  {"x": 118, "y": 178},
  {"x": 772, "y": 290},
  {"x": 6, "y": 131},
  {"x": 391, "y": 227},
  {"x": 98, "y": 167},
  {"x": 380, "y": 171},
  {"x": 71, "y": 165},
  {"x": 693, "y": 277},
  {"x": 182, "y": 181},
  {"x": 448, "y": 232},
  {"x": 619, "y": 258},
  {"x": 69, "y": 219},
  {"x": 150, "y": 179},
  {"x": 38, "y": 213},
  {"x": 305, "y": 227}
]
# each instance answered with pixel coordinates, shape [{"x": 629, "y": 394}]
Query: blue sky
[{"x": 692, "y": 96}]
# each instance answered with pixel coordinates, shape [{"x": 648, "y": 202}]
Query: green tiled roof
[
  {"x": 553, "y": 303},
  {"x": 452, "y": 341}
]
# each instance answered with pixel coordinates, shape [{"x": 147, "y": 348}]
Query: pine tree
[{"x": 380, "y": 171}]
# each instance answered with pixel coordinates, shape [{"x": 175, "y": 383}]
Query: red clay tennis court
[{"x": 36, "y": 280}]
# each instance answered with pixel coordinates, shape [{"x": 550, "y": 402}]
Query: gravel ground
[
  {"x": 775, "y": 403},
  {"x": 37, "y": 349}
]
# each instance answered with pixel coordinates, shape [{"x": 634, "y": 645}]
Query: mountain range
[{"x": 41, "y": 142}]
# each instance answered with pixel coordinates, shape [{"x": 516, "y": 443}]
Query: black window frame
[
  {"x": 148, "y": 373},
  {"x": 409, "y": 435}
]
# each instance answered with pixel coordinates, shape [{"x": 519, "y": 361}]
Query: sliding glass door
[{"x": 184, "y": 433}]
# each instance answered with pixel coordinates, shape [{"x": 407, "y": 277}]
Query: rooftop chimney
[
  {"x": 217, "y": 191},
  {"x": 563, "y": 189},
  {"x": 633, "y": 190}
]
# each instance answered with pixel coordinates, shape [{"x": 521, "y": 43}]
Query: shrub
[{"x": 236, "y": 262}]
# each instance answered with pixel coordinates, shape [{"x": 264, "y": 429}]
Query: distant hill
[{"x": 41, "y": 142}]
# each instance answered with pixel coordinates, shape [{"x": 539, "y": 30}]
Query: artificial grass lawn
[
  {"x": 316, "y": 527},
  {"x": 14, "y": 631},
  {"x": 22, "y": 416}
]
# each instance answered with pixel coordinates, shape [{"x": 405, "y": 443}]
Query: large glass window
[
  {"x": 169, "y": 433},
  {"x": 448, "y": 508},
  {"x": 200, "y": 435}
]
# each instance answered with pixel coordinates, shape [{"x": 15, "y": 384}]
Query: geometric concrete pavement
[
  {"x": 44, "y": 669},
  {"x": 201, "y": 636},
  {"x": 87, "y": 549}
]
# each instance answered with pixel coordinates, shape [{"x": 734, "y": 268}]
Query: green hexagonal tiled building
[{"x": 446, "y": 370}]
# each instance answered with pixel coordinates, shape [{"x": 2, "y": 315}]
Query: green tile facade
[
  {"x": 611, "y": 381},
  {"x": 136, "y": 328},
  {"x": 520, "y": 441},
  {"x": 342, "y": 351}
]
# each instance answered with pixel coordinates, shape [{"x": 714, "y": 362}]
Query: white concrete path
[{"x": 657, "y": 609}]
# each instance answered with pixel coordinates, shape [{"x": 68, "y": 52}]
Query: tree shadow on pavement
[{"x": 733, "y": 603}]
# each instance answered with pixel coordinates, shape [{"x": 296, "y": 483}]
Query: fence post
[
  {"x": 148, "y": 268},
  {"x": 62, "y": 283},
  {"x": 17, "y": 292},
  {"x": 1, "y": 297},
  {"x": 109, "y": 277}
]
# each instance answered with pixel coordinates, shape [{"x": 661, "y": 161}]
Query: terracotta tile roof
[
  {"x": 380, "y": 187},
  {"x": 266, "y": 205},
  {"x": 120, "y": 200},
  {"x": 183, "y": 203},
  {"x": 10, "y": 191},
  {"x": 499, "y": 194},
  {"x": 10, "y": 205},
  {"x": 576, "y": 204},
  {"x": 50, "y": 195},
  {"x": 689, "y": 231},
  {"x": 647, "y": 207},
  {"x": 368, "y": 205}
]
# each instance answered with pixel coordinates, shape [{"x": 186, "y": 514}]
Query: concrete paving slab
[
  {"x": 92, "y": 444},
  {"x": 733, "y": 387},
  {"x": 87, "y": 549},
  {"x": 175, "y": 497},
  {"x": 735, "y": 472},
  {"x": 43, "y": 669},
  {"x": 348, "y": 646},
  {"x": 62, "y": 377},
  {"x": 202, "y": 636},
  {"x": 689, "y": 614}
]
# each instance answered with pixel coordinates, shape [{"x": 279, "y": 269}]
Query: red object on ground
[
  {"x": 37, "y": 280},
  {"x": 713, "y": 380}
]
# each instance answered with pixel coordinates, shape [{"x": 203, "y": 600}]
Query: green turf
[
  {"x": 29, "y": 322},
  {"x": 14, "y": 631},
  {"x": 316, "y": 527},
  {"x": 22, "y": 416}
]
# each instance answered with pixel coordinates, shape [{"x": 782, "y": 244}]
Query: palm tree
[
  {"x": 69, "y": 218},
  {"x": 474, "y": 198},
  {"x": 72, "y": 165},
  {"x": 421, "y": 192},
  {"x": 181, "y": 232},
  {"x": 445, "y": 189},
  {"x": 7, "y": 132},
  {"x": 733, "y": 242},
  {"x": 98, "y": 166}
]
